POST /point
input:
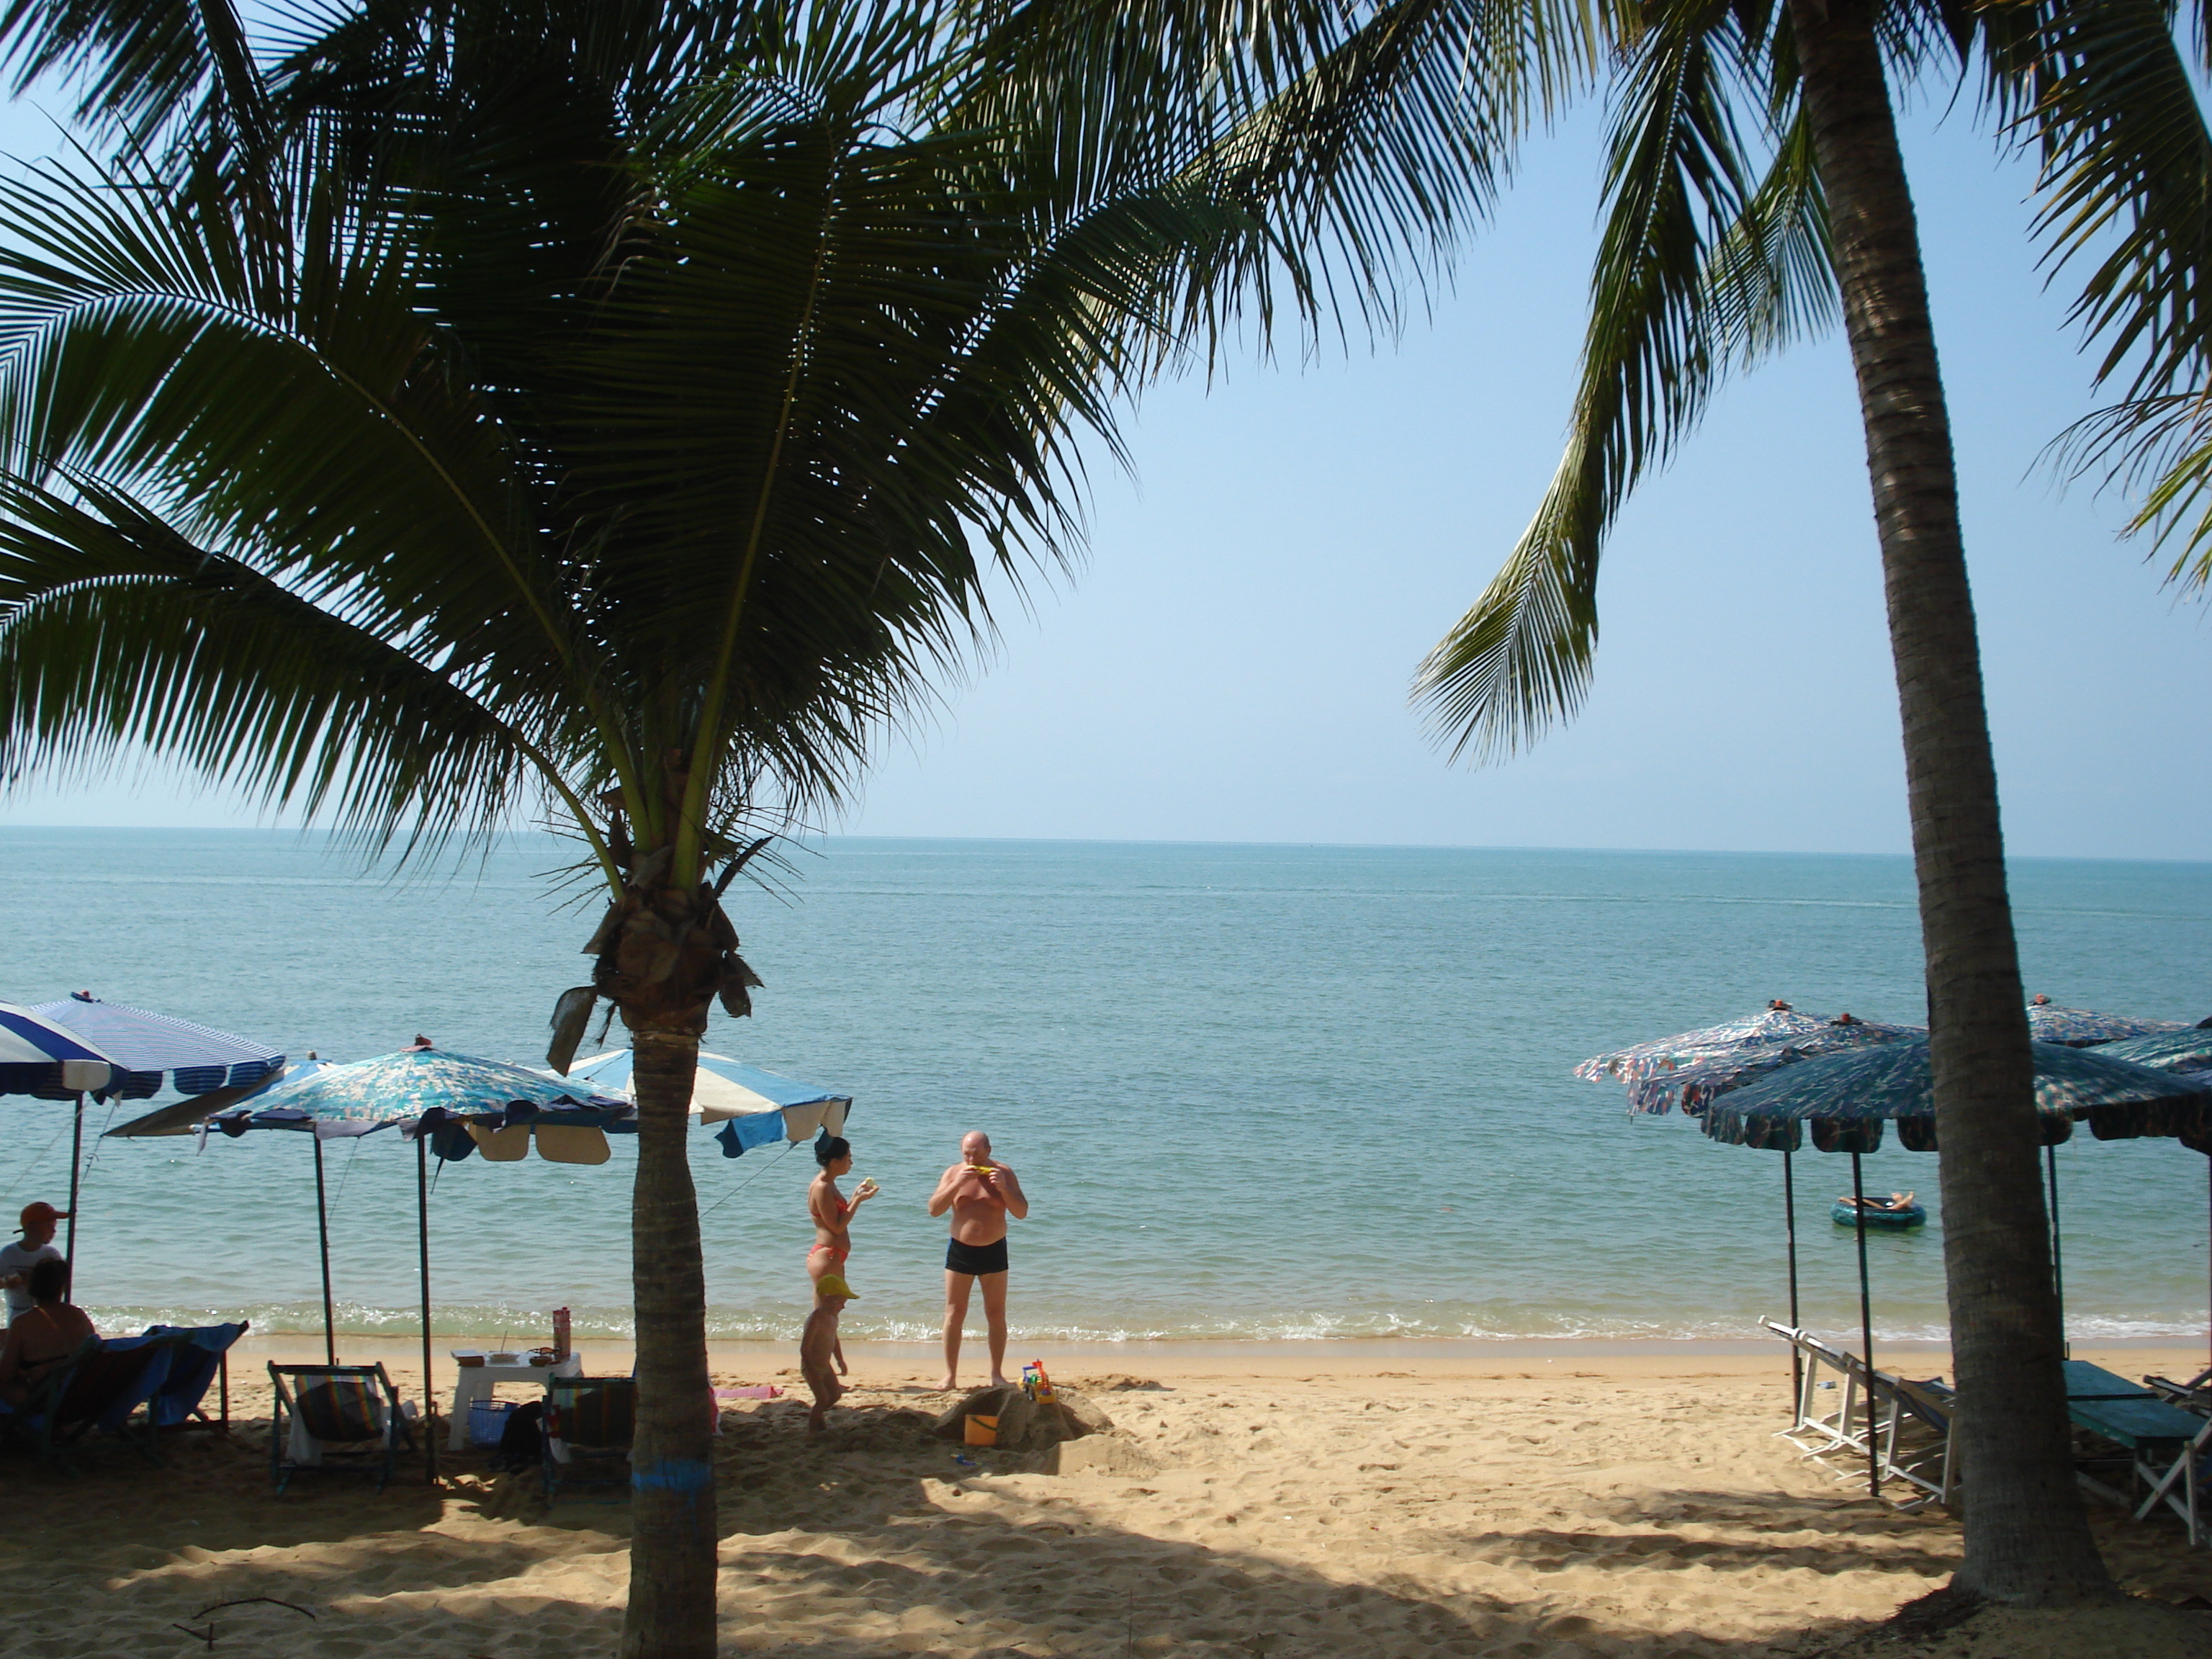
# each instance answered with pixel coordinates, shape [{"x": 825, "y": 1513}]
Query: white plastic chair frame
[{"x": 1880, "y": 1405}]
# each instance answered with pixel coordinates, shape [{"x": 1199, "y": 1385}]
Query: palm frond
[
  {"x": 118, "y": 632},
  {"x": 1699, "y": 270},
  {"x": 2127, "y": 184}
]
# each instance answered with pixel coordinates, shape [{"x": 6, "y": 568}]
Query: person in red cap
[{"x": 17, "y": 1260}]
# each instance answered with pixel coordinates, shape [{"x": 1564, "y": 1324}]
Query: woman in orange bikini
[{"x": 825, "y": 1266}]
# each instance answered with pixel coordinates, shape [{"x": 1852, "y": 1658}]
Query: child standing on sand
[{"x": 825, "y": 1266}]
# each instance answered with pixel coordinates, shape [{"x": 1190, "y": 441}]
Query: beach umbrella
[
  {"x": 1692, "y": 1068},
  {"x": 755, "y": 1106},
  {"x": 213, "y": 1067},
  {"x": 1693, "y": 1086},
  {"x": 158, "y": 1049},
  {"x": 2187, "y": 1051},
  {"x": 44, "y": 1059},
  {"x": 1845, "y": 1099},
  {"x": 1779, "y": 1022},
  {"x": 2079, "y": 1028}
]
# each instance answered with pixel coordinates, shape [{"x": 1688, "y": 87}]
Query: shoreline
[{"x": 1440, "y": 1358}]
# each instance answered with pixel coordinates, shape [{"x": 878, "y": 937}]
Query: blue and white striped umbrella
[
  {"x": 41, "y": 1057},
  {"x": 157, "y": 1048},
  {"x": 755, "y": 1106}
]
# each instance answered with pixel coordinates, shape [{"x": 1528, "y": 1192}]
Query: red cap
[{"x": 34, "y": 1213}]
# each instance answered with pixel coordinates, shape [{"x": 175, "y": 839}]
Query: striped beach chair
[{"x": 335, "y": 1420}]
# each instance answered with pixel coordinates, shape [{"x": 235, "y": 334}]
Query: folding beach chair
[
  {"x": 588, "y": 1419},
  {"x": 201, "y": 1356},
  {"x": 1829, "y": 1385},
  {"x": 1915, "y": 1427},
  {"x": 1841, "y": 1405},
  {"x": 100, "y": 1387},
  {"x": 335, "y": 1419}
]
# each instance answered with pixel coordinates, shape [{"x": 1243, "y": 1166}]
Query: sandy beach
[{"x": 1287, "y": 1500}]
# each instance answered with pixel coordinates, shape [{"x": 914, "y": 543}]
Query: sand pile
[{"x": 1568, "y": 1513}]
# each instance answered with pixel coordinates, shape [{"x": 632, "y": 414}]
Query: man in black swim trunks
[{"x": 981, "y": 1193}]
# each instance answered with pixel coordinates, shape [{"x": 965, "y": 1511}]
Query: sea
[{"x": 1253, "y": 1093}]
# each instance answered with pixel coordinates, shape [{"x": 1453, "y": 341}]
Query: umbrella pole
[
  {"x": 1866, "y": 1332},
  {"x": 2057, "y": 1248},
  {"x": 423, "y": 1242},
  {"x": 323, "y": 1235},
  {"x": 1789, "y": 1224},
  {"x": 76, "y": 1162}
]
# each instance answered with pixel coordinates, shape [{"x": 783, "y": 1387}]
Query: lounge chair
[
  {"x": 2162, "y": 1446},
  {"x": 335, "y": 1420},
  {"x": 1909, "y": 1421},
  {"x": 100, "y": 1387},
  {"x": 588, "y": 1419},
  {"x": 202, "y": 1356}
]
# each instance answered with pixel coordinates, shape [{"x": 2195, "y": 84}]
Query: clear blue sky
[{"x": 1232, "y": 664}]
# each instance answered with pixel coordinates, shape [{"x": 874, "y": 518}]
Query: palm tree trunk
[
  {"x": 2028, "y": 1537},
  {"x": 673, "y": 1530}
]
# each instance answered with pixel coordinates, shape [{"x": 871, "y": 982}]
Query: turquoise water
[{"x": 1253, "y": 1091}]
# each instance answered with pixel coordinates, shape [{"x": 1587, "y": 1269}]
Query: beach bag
[{"x": 521, "y": 1437}]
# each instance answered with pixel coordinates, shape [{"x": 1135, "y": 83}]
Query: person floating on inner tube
[{"x": 1894, "y": 1204}]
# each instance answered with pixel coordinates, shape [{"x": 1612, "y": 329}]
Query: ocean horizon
[{"x": 1255, "y": 1091}]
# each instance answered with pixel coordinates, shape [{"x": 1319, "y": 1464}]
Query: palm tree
[
  {"x": 611, "y": 410},
  {"x": 1710, "y": 261}
]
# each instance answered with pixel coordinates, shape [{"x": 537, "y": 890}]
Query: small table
[{"x": 478, "y": 1382}]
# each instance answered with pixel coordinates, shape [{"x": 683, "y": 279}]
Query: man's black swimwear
[{"x": 975, "y": 1258}]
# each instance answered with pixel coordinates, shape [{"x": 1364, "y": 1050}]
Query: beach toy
[
  {"x": 982, "y": 1430},
  {"x": 964, "y": 1462},
  {"x": 1042, "y": 1394}
]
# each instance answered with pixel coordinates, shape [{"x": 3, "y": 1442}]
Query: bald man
[{"x": 981, "y": 1193}]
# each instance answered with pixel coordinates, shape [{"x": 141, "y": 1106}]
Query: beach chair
[
  {"x": 1916, "y": 1437},
  {"x": 2193, "y": 1395},
  {"x": 201, "y": 1357},
  {"x": 31, "y": 1424},
  {"x": 101, "y": 1387},
  {"x": 588, "y": 1420},
  {"x": 335, "y": 1420},
  {"x": 1829, "y": 1385},
  {"x": 2161, "y": 1448},
  {"x": 1841, "y": 1405}
]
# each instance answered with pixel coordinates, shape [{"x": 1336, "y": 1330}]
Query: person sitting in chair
[{"x": 45, "y": 1336}]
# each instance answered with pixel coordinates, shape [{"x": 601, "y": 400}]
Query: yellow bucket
[{"x": 983, "y": 1431}]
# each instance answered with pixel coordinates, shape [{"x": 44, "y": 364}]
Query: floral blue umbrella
[
  {"x": 1692, "y": 1087},
  {"x": 2188, "y": 1049},
  {"x": 1778, "y": 1024},
  {"x": 1846, "y": 1098},
  {"x": 2078, "y": 1028},
  {"x": 1692, "y": 1068},
  {"x": 420, "y": 1088}
]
